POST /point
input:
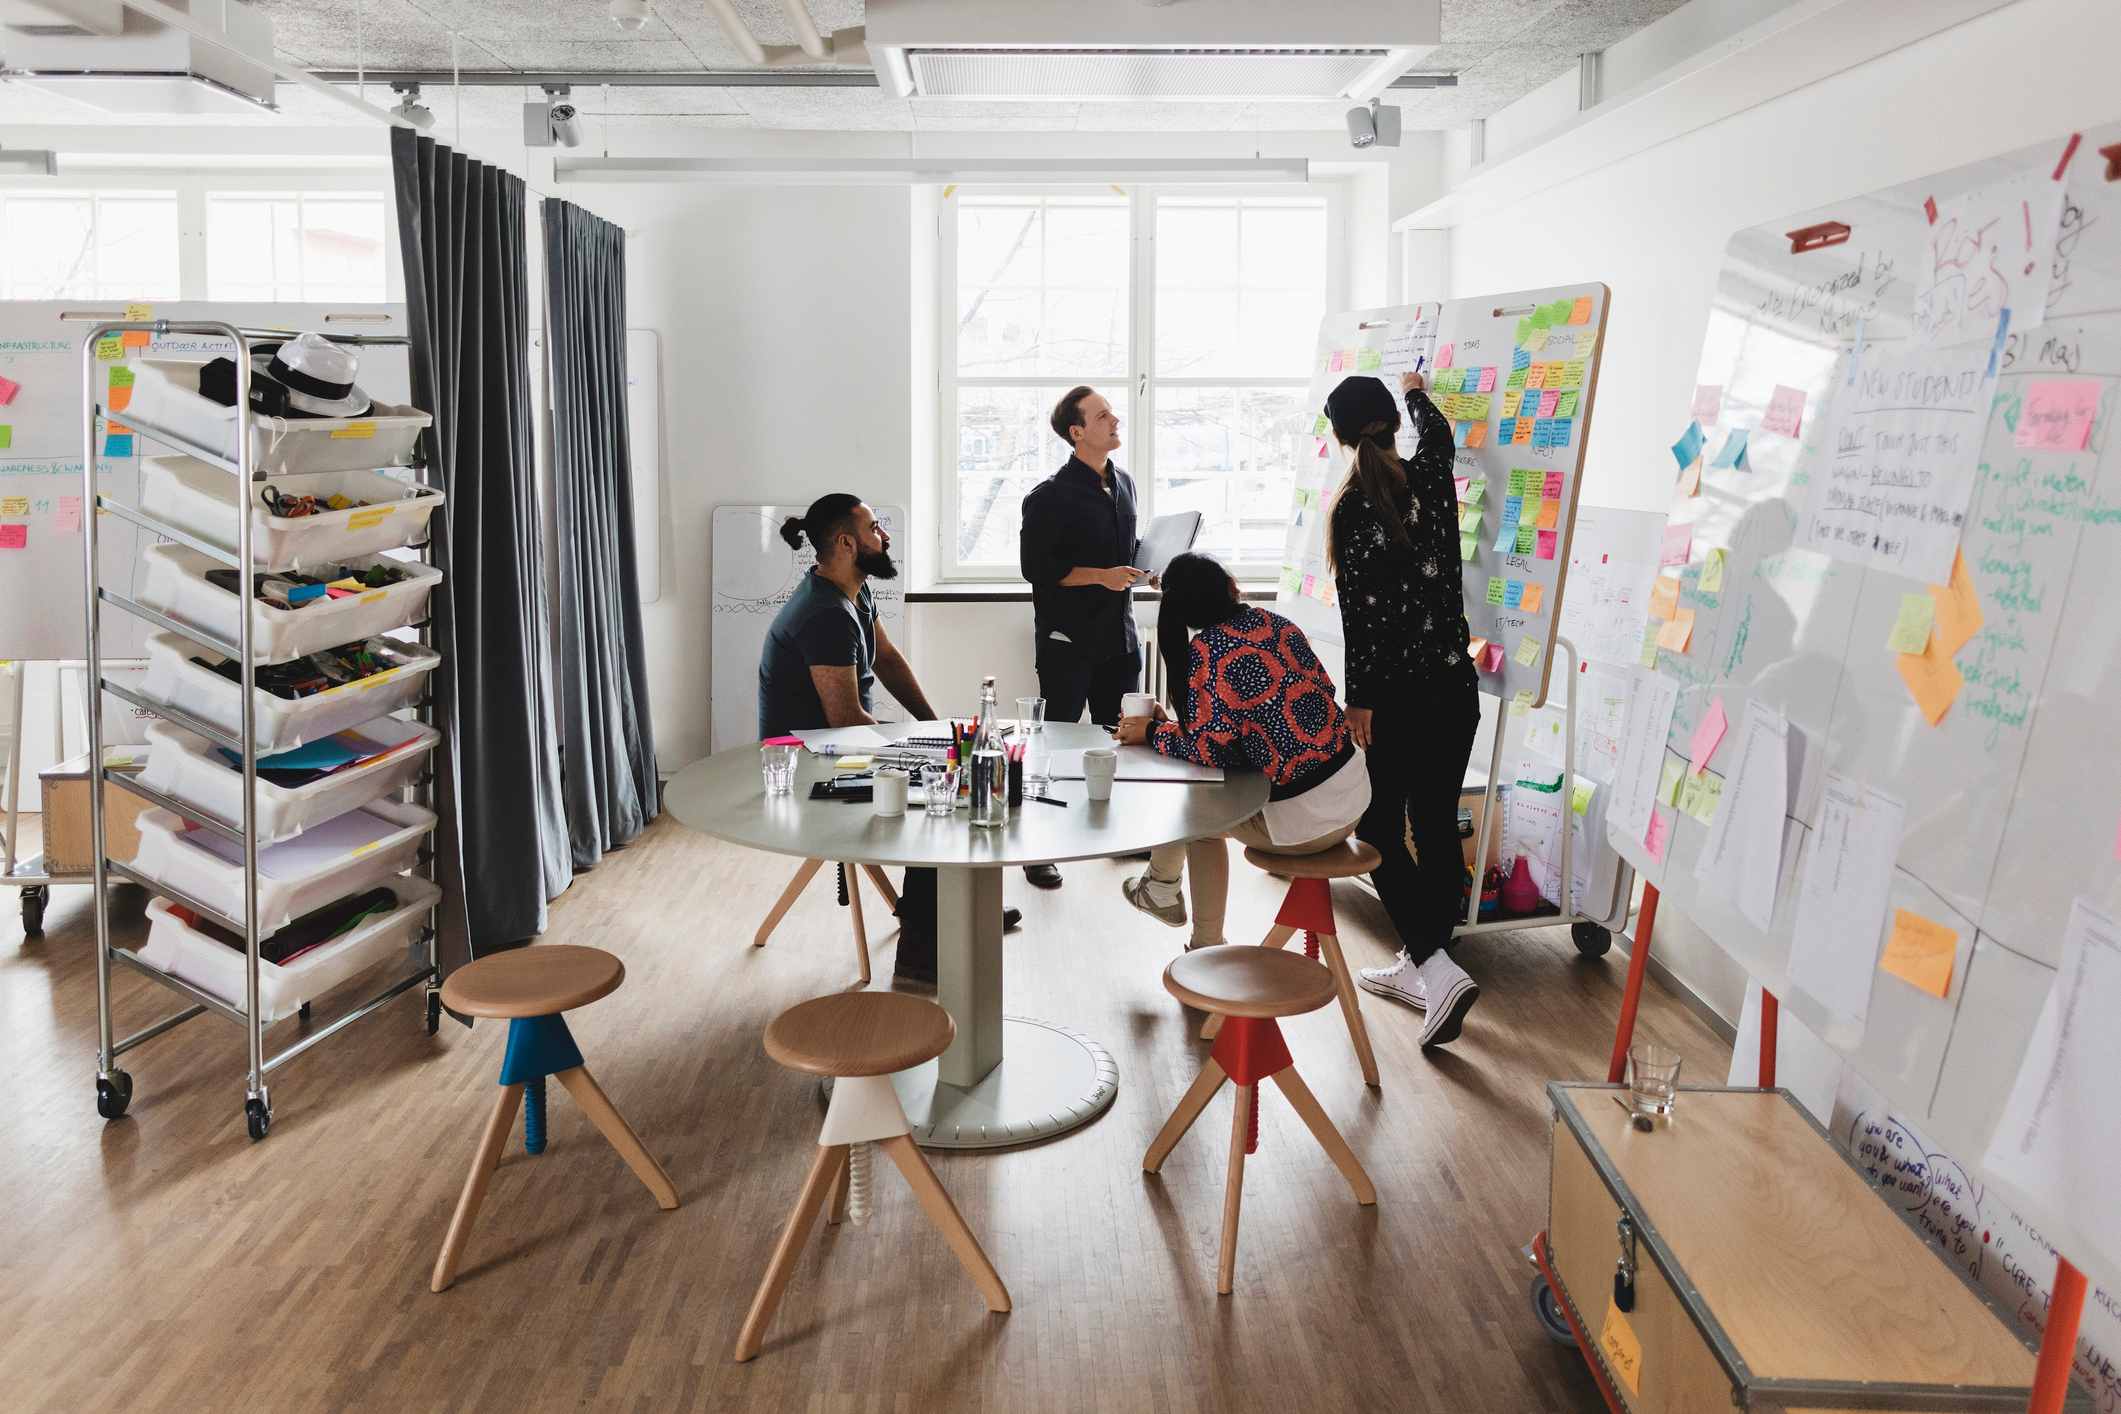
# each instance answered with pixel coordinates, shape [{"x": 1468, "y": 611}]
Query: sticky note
[
  {"x": 1549, "y": 543},
  {"x": 1511, "y": 400},
  {"x": 1677, "y": 632},
  {"x": 8, "y": 388},
  {"x": 1700, "y": 795},
  {"x": 120, "y": 398},
  {"x": 1468, "y": 518},
  {"x": 1548, "y": 401},
  {"x": 110, "y": 350},
  {"x": 1707, "y": 733},
  {"x": 14, "y": 537},
  {"x": 1911, "y": 629},
  {"x": 14, "y": 505},
  {"x": 1318, "y": 428},
  {"x": 1522, "y": 702},
  {"x": 139, "y": 313},
  {"x": 1468, "y": 545},
  {"x": 118, "y": 444},
  {"x": 1958, "y": 609},
  {"x": 7, "y": 436},
  {"x": 1527, "y": 651},
  {"x": 1524, "y": 431},
  {"x": 1333, "y": 363},
  {"x": 1650, "y": 629},
  {"x": 1658, "y": 836},
  {"x": 1708, "y": 403},
  {"x": 1513, "y": 594},
  {"x": 1549, "y": 514},
  {"x": 1527, "y": 538},
  {"x": 1567, "y": 406},
  {"x": 1512, "y": 511},
  {"x": 1785, "y": 411},
  {"x": 1678, "y": 544},
  {"x": 1516, "y": 379},
  {"x": 1733, "y": 453},
  {"x": 1688, "y": 447},
  {"x": 1536, "y": 376},
  {"x": 1476, "y": 648},
  {"x": 1321, "y": 449},
  {"x": 1580, "y": 797},
  {"x": 1443, "y": 355},
  {"x": 1520, "y": 359},
  {"x": 1664, "y": 597},
  {"x": 1459, "y": 433},
  {"x": 1572, "y": 372},
  {"x": 1369, "y": 361},
  {"x": 1495, "y": 589},
  {"x": 1668, "y": 778},
  {"x": 1477, "y": 434},
  {"x": 1506, "y": 542},
  {"x": 1491, "y": 661},
  {"x": 1690, "y": 479},
  {"x": 1712, "y": 573},
  {"x": 1487, "y": 380},
  {"x": 1932, "y": 679},
  {"x": 120, "y": 377},
  {"x": 1580, "y": 312},
  {"x": 1476, "y": 491},
  {"x": 2057, "y": 415},
  {"x": 1535, "y": 594},
  {"x": 135, "y": 339},
  {"x": 1919, "y": 951},
  {"x": 1292, "y": 579},
  {"x": 1506, "y": 432},
  {"x": 1552, "y": 489}
]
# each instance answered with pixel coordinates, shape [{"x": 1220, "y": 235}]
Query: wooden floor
[{"x": 164, "y": 1261}]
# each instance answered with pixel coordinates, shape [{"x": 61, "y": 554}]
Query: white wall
[{"x": 1654, "y": 226}]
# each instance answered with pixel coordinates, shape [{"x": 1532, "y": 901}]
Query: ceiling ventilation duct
[
  {"x": 119, "y": 61},
  {"x": 1083, "y": 51}
]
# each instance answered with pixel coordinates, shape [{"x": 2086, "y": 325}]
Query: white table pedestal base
[{"x": 1054, "y": 1080}]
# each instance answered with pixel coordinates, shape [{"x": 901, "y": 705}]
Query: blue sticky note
[
  {"x": 1521, "y": 358},
  {"x": 1506, "y": 543},
  {"x": 1733, "y": 453},
  {"x": 1506, "y": 431},
  {"x": 1458, "y": 432},
  {"x": 1513, "y": 594},
  {"x": 1688, "y": 446},
  {"x": 1512, "y": 509},
  {"x": 118, "y": 444}
]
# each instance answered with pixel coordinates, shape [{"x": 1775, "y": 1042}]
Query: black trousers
[
  {"x": 1070, "y": 681},
  {"x": 1417, "y": 762}
]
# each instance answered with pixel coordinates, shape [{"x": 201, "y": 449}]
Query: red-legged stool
[
  {"x": 1308, "y": 907},
  {"x": 1250, "y": 987}
]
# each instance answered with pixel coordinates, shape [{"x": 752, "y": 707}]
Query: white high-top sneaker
[
  {"x": 1452, "y": 994},
  {"x": 1401, "y": 982}
]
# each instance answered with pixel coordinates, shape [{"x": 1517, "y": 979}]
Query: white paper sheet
[
  {"x": 2057, "y": 1140},
  {"x": 1843, "y": 889},
  {"x": 318, "y": 847},
  {"x": 1989, "y": 250},
  {"x": 1649, "y": 722},
  {"x": 1743, "y": 858},
  {"x": 844, "y": 741},
  {"x": 1138, "y": 763}
]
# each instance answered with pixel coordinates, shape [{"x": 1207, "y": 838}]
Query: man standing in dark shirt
[{"x": 1077, "y": 550}]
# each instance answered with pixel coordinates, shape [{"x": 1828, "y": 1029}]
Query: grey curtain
[
  {"x": 503, "y": 841},
  {"x": 608, "y": 744}
]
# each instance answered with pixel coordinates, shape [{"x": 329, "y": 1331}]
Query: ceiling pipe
[
  {"x": 739, "y": 33},
  {"x": 807, "y": 38}
]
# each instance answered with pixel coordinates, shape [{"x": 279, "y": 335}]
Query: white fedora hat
[{"x": 317, "y": 374}]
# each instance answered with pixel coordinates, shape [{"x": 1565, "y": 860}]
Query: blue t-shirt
[{"x": 818, "y": 627}]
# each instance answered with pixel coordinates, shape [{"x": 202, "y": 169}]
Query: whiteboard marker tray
[
  {"x": 166, "y": 398},
  {"x": 190, "y": 955},
  {"x": 176, "y": 585},
  {"x": 189, "y": 769},
  {"x": 200, "y": 500},
  {"x": 175, "y": 680},
  {"x": 342, "y": 856}
]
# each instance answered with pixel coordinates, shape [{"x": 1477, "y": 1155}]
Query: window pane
[
  {"x": 1042, "y": 286},
  {"x": 239, "y": 248},
  {"x": 1004, "y": 448},
  {"x": 342, "y": 247},
  {"x": 1240, "y": 285},
  {"x": 50, "y": 250},
  {"x": 136, "y": 246},
  {"x": 316, "y": 247},
  {"x": 1230, "y": 453}
]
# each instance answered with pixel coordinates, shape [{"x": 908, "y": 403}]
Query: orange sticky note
[
  {"x": 1673, "y": 637},
  {"x": 1932, "y": 679},
  {"x": 121, "y": 398},
  {"x": 1549, "y": 515},
  {"x": 1664, "y": 597},
  {"x": 1535, "y": 594},
  {"x": 1580, "y": 312},
  {"x": 1477, "y": 435},
  {"x": 1958, "y": 609},
  {"x": 135, "y": 339},
  {"x": 1920, "y": 952},
  {"x": 1475, "y": 648}
]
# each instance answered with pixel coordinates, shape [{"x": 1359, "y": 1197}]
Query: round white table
[{"x": 1056, "y": 1078}]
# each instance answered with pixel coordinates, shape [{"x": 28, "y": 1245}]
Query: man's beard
[{"x": 875, "y": 564}]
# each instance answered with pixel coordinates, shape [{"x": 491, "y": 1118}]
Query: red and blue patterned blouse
[{"x": 1257, "y": 698}]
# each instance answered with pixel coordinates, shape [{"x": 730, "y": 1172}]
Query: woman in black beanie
[{"x": 1413, "y": 706}]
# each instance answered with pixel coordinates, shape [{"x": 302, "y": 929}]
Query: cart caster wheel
[
  {"x": 434, "y": 1010},
  {"x": 257, "y": 1115},
  {"x": 33, "y": 900},
  {"x": 1546, "y": 1309},
  {"x": 304, "y": 1012},
  {"x": 113, "y": 1093},
  {"x": 1591, "y": 940}
]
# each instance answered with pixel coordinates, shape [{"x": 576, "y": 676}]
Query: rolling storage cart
[{"x": 360, "y": 828}]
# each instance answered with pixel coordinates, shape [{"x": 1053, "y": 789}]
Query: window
[
  {"x": 299, "y": 246},
  {"x": 88, "y": 245},
  {"x": 1195, "y": 313}
]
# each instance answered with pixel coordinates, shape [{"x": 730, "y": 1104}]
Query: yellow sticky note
[
  {"x": 1621, "y": 1350},
  {"x": 1580, "y": 797},
  {"x": 1712, "y": 573},
  {"x": 1911, "y": 630},
  {"x": 1920, "y": 952},
  {"x": 1932, "y": 679},
  {"x": 1958, "y": 609},
  {"x": 14, "y": 505},
  {"x": 1521, "y": 703},
  {"x": 1527, "y": 651},
  {"x": 1650, "y": 630},
  {"x": 354, "y": 431},
  {"x": 1535, "y": 594},
  {"x": 1664, "y": 597},
  {"x": 1670, "y": 779},
  {"x": 139, "y": 313},
  {"x": 109, "y": 350},
  {"x": 1676, "y": 633},
  {"x": 1700, "y": 795},
  {"x": 373, "y": 515}
]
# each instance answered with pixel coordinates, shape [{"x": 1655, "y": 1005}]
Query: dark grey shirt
[{"x": 818, "y": 627}]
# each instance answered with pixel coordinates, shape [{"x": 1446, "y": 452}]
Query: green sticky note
[
  {"x": 1649, "y": 643},
  {"x": 1369, "y": 361},
  {"x": 1565, "y": 406},
  {"x": 1521, "y": 703},
  {"x": 1699, "y": 795},
  {"x": 1516, "y": 378},
  {"x": 1476, "y": 491},
  {"x": 121, "y": 377},
  {"x": 1580, "y": 797},
  {"x": 1494, "y": 590},
  {"x": 1524, "y": 327},
  {"x": 1541, "y": 319},
  {"x": 109, "y": 350},
  {"x": 1468, "y": 546},
  {"x": 1291, "y": 579},
  {"x": 1527, "y": 538},
  {"x": 1469, "y": 518},
  {"x": 7, "y": 435},
  {"x": 1712, "y": 579},
  {"x": 1318, "y": 428},
  {"x": 1669, "y": 780},
  {"x": 1911, "y": 630},
  {"x": 1527, "y": 651}
]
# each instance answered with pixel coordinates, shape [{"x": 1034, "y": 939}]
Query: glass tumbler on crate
[{"x": 1653, "y": 1079}]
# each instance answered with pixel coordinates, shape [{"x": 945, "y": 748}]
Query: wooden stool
[
  {"x": 850, "y": 897},
  {"x": 1251, "y": 987},
  {"x": 860, "y": 1039},
  {"x": 1309, "y": 905},
  {"x": 531, "y": 987}
]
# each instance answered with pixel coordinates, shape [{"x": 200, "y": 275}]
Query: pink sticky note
[
  {"x": 1334, "y": 366},
  {"x": 1657, "y": 836},
  {"x": 1785, "y": 411},
  {"x": 2058, "y": 415},
  {"x": 13, "y": 537},
  {"x": 8, "y": 389},
  {"x": 1461, "y": 482},
  {"x": 1548, "y": 541},
  {"x": 782, "y": 741},
  {"x": 1487, "y": 380},
  {"x": 1707, "y": 732},
  {"x": 67, "y": 522},
  {"x": 1491, "y": 658},
  {"x": 1443, "y": 355},
  {"x": 1708, "y": 403},
  {"x": 1678, "y": 544},
  {"x": 1321, "y": 448},
  {"x": 1553, "y": 492}
]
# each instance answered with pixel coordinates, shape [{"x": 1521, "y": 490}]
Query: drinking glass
[
  {"x": 777, "y": 763},
  {"x": 1031, "y": 732},
  {"x": 941, "y": 782},
  {"x": 1653, "y": 1078}
]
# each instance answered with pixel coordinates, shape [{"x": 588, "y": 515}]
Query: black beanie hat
[{"x": 1360, "y": 401}]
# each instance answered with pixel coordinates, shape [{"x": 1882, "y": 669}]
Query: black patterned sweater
[{"x": 1402, "y": 607}]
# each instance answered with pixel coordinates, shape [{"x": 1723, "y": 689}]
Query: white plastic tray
[
  {"x": 188, "y": 768},
  {"x": 200, "y": 500},
  {"x": 281, "y": 723},
  {"x": 175, "y": 584},
  {"x": 166, "y": 396},
  {"x": 212, "y": 966},
  {"x": 355, "y": 851}
]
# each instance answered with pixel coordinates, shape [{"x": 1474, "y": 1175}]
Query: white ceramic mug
[
  {"x": 1100, "y": 764},
  {"x": 889, "y": 794},
  {"x": 1138, "y": 704}
]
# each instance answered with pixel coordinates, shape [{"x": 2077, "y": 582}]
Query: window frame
[{"x": 1138, "y": 402}]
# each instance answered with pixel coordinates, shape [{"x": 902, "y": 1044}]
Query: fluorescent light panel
[{"x": 908, "y": 171}]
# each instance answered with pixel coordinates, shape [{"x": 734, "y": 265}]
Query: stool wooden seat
[
  {"x": 850, "y": 889},
  {"x": 530, "y": 988},
  {"x": 1250, "y": 987},
  {"x": 1308, "y": 906},
  {"x": 861, "y": 1039}
]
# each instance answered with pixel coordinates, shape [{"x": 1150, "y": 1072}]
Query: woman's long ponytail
[{"x": 1378, "y": 476}]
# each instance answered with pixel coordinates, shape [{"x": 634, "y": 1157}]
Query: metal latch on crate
[{"x": 1624, "y": 1269}]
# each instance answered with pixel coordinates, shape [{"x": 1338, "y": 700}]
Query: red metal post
[
  {"x": 2058, "y": 1343},
  {"x": 1638, "y": 959},
  {"x": 1770, "y": 1016}
]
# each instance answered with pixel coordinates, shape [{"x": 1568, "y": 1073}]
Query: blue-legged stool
[{"x": 531, "y": 988}]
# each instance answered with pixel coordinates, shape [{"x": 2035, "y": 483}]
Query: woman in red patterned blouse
[{"x": 1255, "y": 698}]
